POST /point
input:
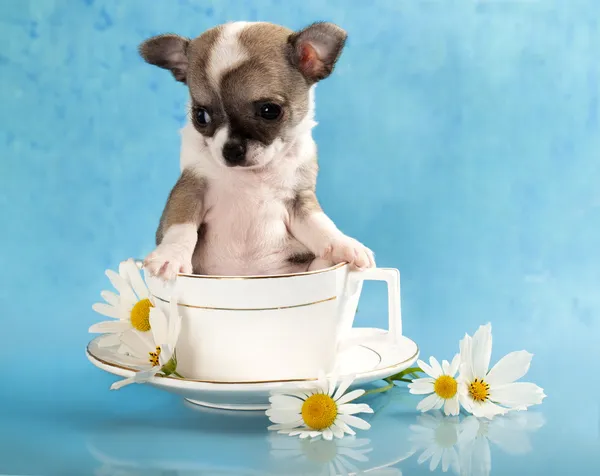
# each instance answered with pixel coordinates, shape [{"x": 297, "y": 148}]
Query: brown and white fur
[{"x": 245, "y": 202}]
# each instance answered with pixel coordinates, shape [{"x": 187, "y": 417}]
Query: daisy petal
[
  {"x": 454, "y": 365},
  {"x": 139, "y": 377},
  {"x": 174, "y": 321},
  {"x": 421, "y": 388},
  {"x": 466, "y": 370},
  {"x": 110, "y": 297},
  {"x": 345, "y": 427},
  {"x": 428, "y": 403},
  {"x": 110, "y": 327},
  {"x": 159, "y": 325},
  {"x": 426, "y": 368},
  {"x": 283, "y": 416},
  {"x": 353, "y": 395},
  {"x": 466, "y": 402},
  {"x": 509, "y": 368},
  {"x": 135, "y": 279},
  {"x": 125, "y": 292},
  {"x": 332, "y": 381},
  {"x": 138, "y": 345},
  {"x": 328, "y": 434},
  {"x": 299, "y": 394},
  {"x": 435, "y": 365},
  {"x": 446, "y": 367},
  {"x": 122, "y": 383},
  {"x": 518, "y": 395},
  {"x": 290, "y": 425},
  {"x": 344, "y": 385},
  {"x": 353, "y": 408},
  {"x": 418, "y": 382},
  {"x": 106, "y": 310},
  {"x": 355, "y": 422},
  {"x": 482, "y": 350},
  {"x": 451, "y": 406},
  {"x": 110, "y": 340},
  {"x": 337, "y": 431},
  {"x": 487, "y": 410}
]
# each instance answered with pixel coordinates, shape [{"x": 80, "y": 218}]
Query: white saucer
[{"x": 372, "y": 357}]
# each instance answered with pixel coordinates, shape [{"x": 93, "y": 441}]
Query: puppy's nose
[{"x": 234, "y": 152}]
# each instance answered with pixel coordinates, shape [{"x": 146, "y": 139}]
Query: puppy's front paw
[
  {"x": 347, "y": 250},
  {"x": 167, "y": 260}
]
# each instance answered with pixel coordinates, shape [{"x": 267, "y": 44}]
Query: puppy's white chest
[
  {"x": 246, "y": 218},
  {"x": 246, "y": 230}
]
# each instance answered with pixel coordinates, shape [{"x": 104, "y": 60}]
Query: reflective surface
[
  {"x": 164, "y": 436},
  {"x": 459, "y": 139}
]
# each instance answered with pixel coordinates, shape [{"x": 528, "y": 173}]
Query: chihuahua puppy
[{"x": 245, "y": 202}]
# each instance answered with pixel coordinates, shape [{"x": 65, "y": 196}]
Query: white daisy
[
  {"x": 130, "y": 309},
  {"x": 437, "y": 436},
  {"x": 319, "y": 456},
  {"x": 153, "y": 352},
  {"x": 318, "y": 411},
  {"x": 487, "y": 393},
  {"x": 441, "y": 384}
]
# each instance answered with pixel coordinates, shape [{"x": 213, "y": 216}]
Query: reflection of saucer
[
  {"x": 372, "y": 357},
  {"x": 217, "y": 442}
]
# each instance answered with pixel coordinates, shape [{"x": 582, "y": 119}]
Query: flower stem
[
  {"x": 400, "y": 375},
  {"x": 387, "y": 387}
]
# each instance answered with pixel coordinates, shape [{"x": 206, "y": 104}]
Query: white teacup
[{"x": 265, "y": 328}]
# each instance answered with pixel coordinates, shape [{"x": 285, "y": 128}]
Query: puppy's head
[{"x": 249, "y": 83}]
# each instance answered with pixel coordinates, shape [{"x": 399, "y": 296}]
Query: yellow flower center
[
  {"x": 154, "y": 357},
  {"x": 445, "y": 386},
  {"x": 319, "y": 411},
  {"x": 479, "y": 390},
  {"x": 140, "y": 315}
]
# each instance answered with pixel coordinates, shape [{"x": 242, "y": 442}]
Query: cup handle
[{"x": 392, "y": 278}]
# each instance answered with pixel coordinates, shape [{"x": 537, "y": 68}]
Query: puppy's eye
[
  {"x": 202, "y": 116},
  {"x": 270, "y": 111}
]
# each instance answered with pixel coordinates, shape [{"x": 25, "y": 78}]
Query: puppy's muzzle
[{"x": 234, "y": 152}]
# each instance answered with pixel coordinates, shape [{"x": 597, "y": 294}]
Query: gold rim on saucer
[{"x": 109, "y": 364}]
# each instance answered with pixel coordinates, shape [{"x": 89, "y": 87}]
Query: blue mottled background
[{"x": 459, "y": 139}]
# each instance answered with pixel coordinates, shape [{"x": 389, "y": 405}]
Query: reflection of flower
[
  {"x": 441, "y": 384},
  {"x": 436, "y": 436},
  {"x": 130, "y": 309},
  {"x": 318, "y": 411},
  {"x": 155, "y": 352},
  {"x": 487, "y": 393},
  {"x": 509, "y": 433},
  {"x": 336, "y": 456},
  {"x": 464, "y": 446}
]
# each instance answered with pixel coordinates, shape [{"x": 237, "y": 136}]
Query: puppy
[{"x": 245, "y": 202}]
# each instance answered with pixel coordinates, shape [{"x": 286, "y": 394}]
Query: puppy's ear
[
  {"x": 316, "y": 48},
  {"x": 168, "y": 52}
]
